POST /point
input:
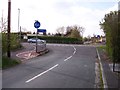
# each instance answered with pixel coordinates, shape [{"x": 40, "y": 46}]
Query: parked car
[
  {"x": 33, "y": 40},
  {"x": 88, "y": 42}
]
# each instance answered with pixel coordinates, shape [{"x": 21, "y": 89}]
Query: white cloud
[{"x": 55, "y": 13}]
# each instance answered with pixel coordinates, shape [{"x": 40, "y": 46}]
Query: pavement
[{"x": 112, "y": 78}]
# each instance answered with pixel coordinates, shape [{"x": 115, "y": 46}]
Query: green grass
[
  {"x": 101, "y": 79},
  {"x": 8, "y": 62},
  {"x": 102, "y": 48}
]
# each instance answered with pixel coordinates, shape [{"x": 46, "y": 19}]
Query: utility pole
[{"x": 8, "y": 33}]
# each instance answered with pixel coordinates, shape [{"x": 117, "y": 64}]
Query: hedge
[{"x": 58, "y": 39}]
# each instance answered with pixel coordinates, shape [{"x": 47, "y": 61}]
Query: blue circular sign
[{"x": 37, "y": 24}]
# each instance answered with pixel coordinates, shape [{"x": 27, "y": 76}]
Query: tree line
[
  {"x": 74, "y": 31},
  {"x": 111, "y": 27}
]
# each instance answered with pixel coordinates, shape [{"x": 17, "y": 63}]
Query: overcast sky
[{"x": 56, "y": 13}]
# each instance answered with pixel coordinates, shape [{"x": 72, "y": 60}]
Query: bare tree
[
  {"x": 76, "y": 31},
  {"x": 61, "y": 30},
  {"x": 3, "y": 24}
]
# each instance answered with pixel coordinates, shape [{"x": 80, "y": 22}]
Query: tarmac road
[{"x": 65, "y": 66}]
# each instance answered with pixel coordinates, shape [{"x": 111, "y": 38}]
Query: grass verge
[
  {"x": 103, "y": 48},
  {"x": 101, "y": 79},
  {"x": 8, "y": 62}
]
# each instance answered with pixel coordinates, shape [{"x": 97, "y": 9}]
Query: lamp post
[
  {"x": 18, "y": 18},
  {"x": 19, "y": 28},
  {"x": 9, "y": 27}
]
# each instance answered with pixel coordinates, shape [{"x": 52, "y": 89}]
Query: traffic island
[{"x": 30, "y": 54}]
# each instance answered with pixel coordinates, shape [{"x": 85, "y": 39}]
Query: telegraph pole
[{"x": 8, "y": 33}]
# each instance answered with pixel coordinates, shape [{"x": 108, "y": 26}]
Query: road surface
[{"x": 65, "y": 66}]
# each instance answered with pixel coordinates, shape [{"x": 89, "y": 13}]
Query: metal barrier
[{"x": 41, "y": 46}]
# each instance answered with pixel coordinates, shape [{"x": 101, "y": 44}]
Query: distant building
[{"x": 97, "y": 39}]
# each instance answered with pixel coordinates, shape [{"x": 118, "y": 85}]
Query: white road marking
[
  {"x": 71, "y": 55},
  {"x": 42, "y": 73},
  {"x": 68, "y": 58},
  {"x": 74, "y": 50},
  {"x": 51, "y": 67}
]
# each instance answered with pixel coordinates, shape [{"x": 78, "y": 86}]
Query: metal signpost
[{"x": 36, "y": 25}]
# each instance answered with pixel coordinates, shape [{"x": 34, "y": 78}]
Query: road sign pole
[
  {"x": 36, "y": 40},
  {"x": 36, "y": 25}
]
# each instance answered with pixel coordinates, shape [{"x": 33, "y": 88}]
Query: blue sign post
[{"x": 36, "y": 25}]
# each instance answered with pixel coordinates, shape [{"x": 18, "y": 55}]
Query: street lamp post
[{"x": 19, "y": 29}]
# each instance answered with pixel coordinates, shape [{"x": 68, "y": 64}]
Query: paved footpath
[{"x": 112, "y": 78}]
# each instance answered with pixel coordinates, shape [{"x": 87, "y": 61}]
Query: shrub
[{"x": 14, "y": 42}]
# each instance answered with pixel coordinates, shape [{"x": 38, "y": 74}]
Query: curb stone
[{"x": 101, "y": 67}]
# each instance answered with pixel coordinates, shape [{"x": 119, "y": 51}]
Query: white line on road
[
  {"x": 51, "y": 67},
  {"x": 71, "y": 55},
  {"x": 68, "y": 58},
  {"x": 74, "y": 50},
  {"x": 42, "y": 73}
]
